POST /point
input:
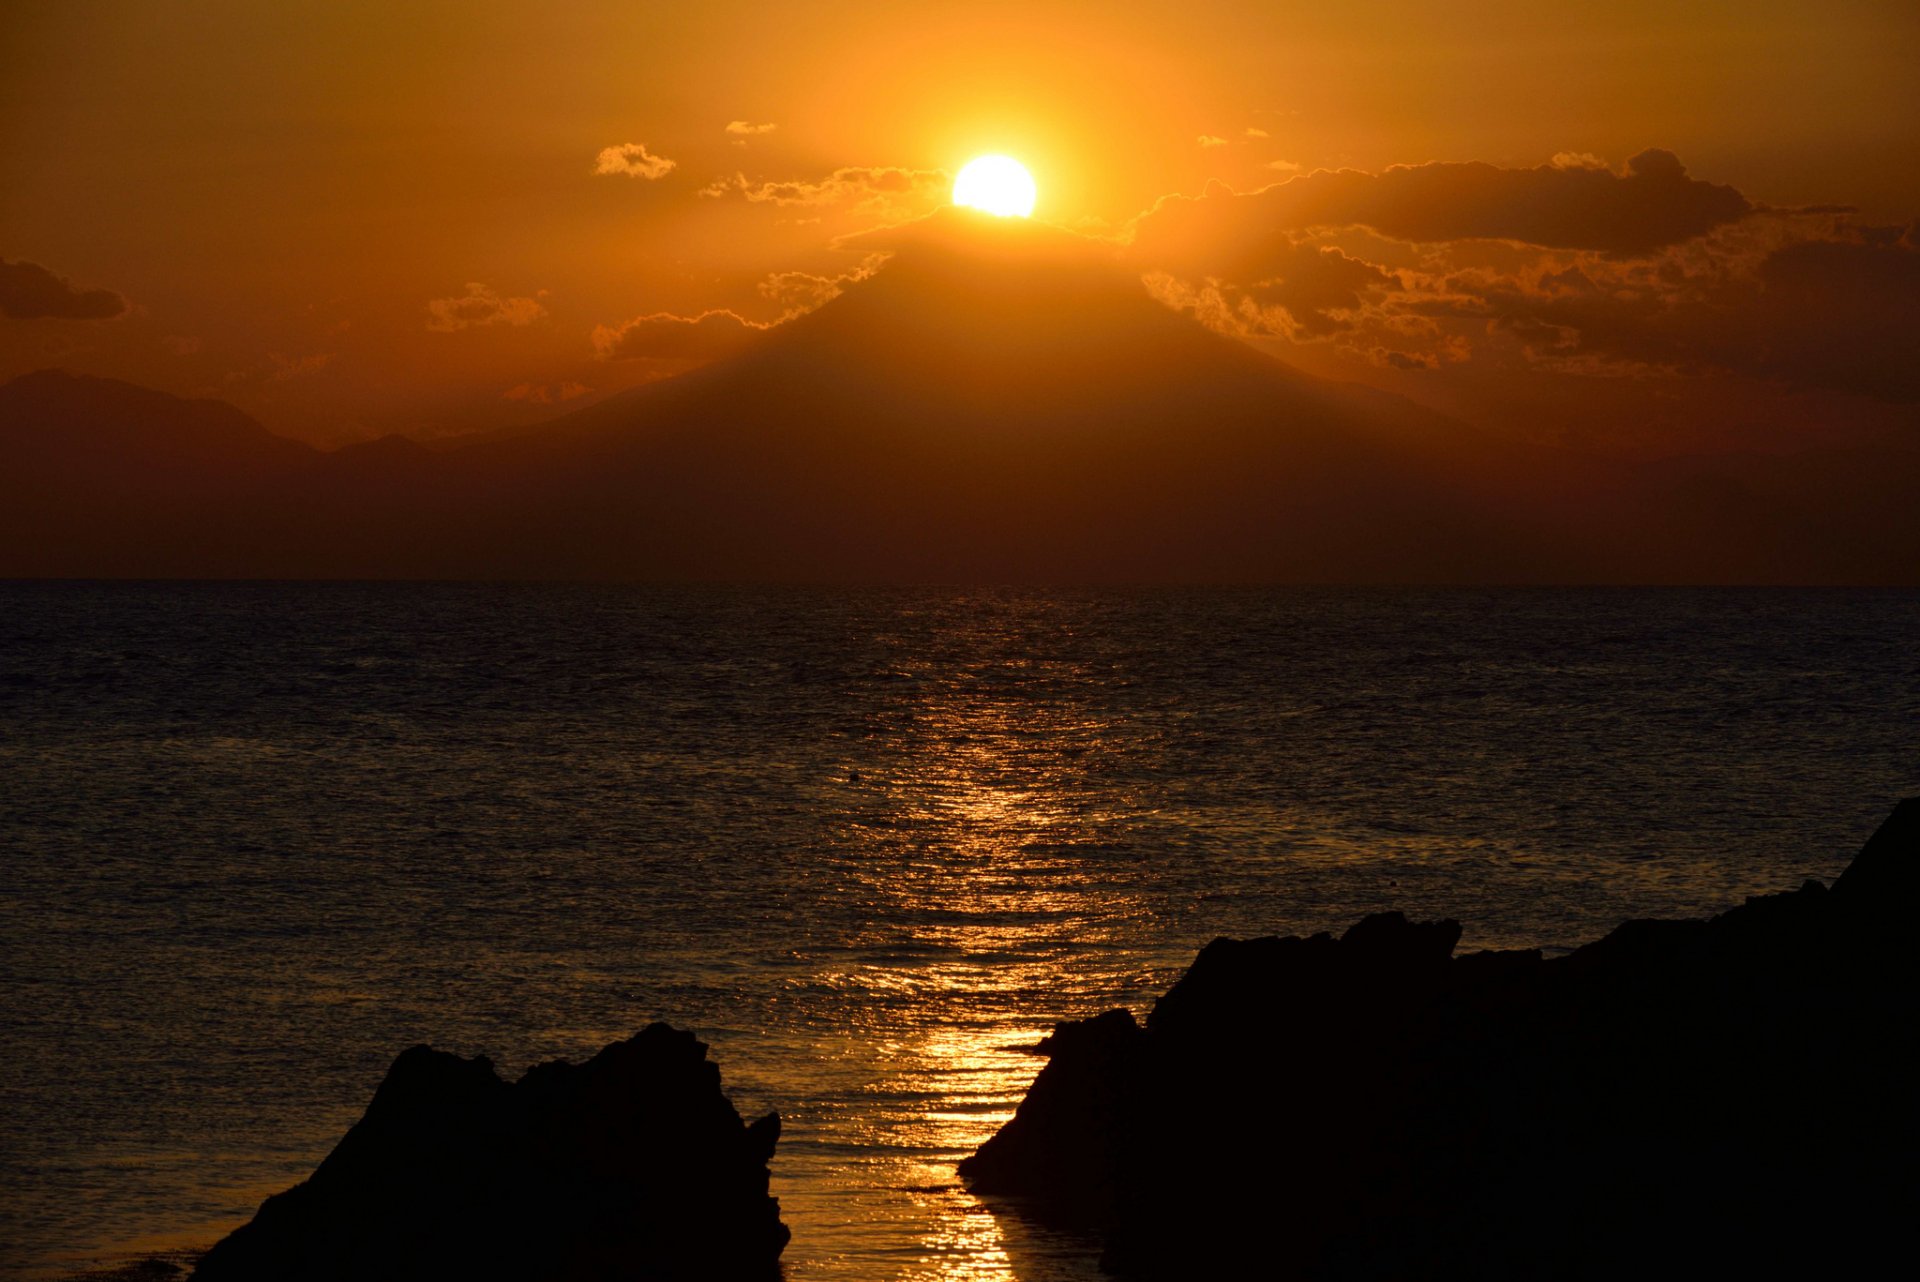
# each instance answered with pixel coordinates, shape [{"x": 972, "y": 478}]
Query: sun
[{"x": 998, "y": 185}]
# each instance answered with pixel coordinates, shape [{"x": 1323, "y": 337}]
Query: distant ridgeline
[
  {"x": 998, "y": 405},
  {"x": 1686, "y": 1099}
]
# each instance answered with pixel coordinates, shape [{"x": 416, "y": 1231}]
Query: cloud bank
[
  {"x": 1577, "y": 267},
  {"x": 29, "y": 291},
  {"x": 1649, "y": 205}
]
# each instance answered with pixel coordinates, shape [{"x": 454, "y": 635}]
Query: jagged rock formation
[
  {"x": 632, "y": 1165},
  {"x": 1680, "y": 1099}
]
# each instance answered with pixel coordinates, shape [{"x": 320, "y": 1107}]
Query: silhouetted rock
[
  {"x": 1886, "y": 869},
  {"x": 1063, "y": 1139},
  {"x": 632, "y": 1165},
  {"x": 1678, "y": 1099}
]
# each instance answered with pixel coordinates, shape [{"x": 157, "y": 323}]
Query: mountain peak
[{"x": 954, "y": 232}]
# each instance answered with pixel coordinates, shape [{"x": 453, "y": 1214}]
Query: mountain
[
  {"x": 103, "y": 478},
  {"x": 998, "y": 403},
  {"x": 62, "y": 429}
]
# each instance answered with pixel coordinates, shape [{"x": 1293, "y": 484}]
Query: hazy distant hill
[
  {"x": 100, "y": 477},
  {"x": 57, "y": 428},
  {"x": 997, "y": 404}
]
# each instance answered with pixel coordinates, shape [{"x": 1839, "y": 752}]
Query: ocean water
[{"x": 257, "y": 838}]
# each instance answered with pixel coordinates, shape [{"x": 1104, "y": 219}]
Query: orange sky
[{"x": 353, "y": 218}]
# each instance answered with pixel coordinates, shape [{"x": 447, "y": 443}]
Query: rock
[
  {"x": 1885, "y": 875},
  {"x": 1678, "y": 1099},
  {"x": 1061, "y": 1136},
  {"x": 633, "y": 1165}
]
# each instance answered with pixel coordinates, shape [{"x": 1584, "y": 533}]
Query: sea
[{"x": 257, "y": 838}]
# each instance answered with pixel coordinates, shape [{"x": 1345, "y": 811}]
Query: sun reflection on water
[{"x": 972, "y": 857}]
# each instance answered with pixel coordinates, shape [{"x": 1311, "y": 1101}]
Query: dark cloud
[
  {"x": 1404, "y": 360},
  {"x": 1301, "y": 291},
  {"x": 1570, "y": 204},
  {"x": 1642, "y": 272},
  {"x": 1836, "y": 309},
  {"x": 29, "y": 291},
  {"x": 1316, "y": 285},
  {"x": 664, "y": 336}
]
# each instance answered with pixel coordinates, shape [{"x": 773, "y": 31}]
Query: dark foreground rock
[
  {"x": 632, "y": 1165},
  {"x": 1680, "y": 1099}
]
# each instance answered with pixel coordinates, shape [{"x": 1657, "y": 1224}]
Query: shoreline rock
[
  {"x": 1677, "y": 1099},
  {"x": 633, "y": 1164}
]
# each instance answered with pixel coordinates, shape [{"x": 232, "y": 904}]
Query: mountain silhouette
[
  {"x": 1000, "y": 402},
  {"x": 997, "y": 403},
  {"x": 100, "y": 477}
]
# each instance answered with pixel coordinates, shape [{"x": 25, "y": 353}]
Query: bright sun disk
[{"x": 998, "y": 185}]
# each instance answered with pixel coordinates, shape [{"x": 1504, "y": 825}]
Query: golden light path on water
[{"x": 977, "y": 939}]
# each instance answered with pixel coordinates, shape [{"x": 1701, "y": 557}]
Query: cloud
[
  {"x": 545, "y": 393},
  {"x": 744, "y": 129},
  {"x": 1649, "y": 205},
  {"x": 29, "y": 291},
  {"x": 1283, "y": 166},
  {"x": 864, "y": 186},
  {"x": 1571, "y": 267},
  {"x": 286, "y": 367},
  {"x": 1306, "y": 292},
  {"x": 480, "y": 305},
  {"x": 797, "y": 293},
  {"x": 1315, "y": 287},
  {"x": 1836, "y": 309},
  {"x": 1256, "y": 133},
  {"x": 633, "y": 160},
  {"x": 1206, "y": 303},
  {"x": 1210, "y": 141},
  {"x": 664, "y": 336},
  {"x": 1403, "y": 360}
]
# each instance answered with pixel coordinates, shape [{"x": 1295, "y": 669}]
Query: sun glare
[{"x": 998, "y": 185}]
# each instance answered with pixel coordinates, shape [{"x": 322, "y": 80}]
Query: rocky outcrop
[
  {"x": 1679, "y": 1099},
  {"x": 633, "y": 1165}
]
